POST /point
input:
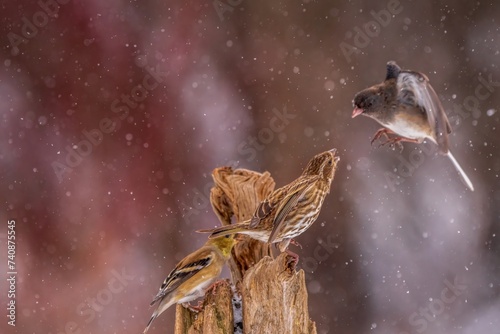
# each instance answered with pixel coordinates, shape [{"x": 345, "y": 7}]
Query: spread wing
[
  {"x": 293, "y": 196},
  {"x": 414, "y": 90},
  {"x": 182, "y": 272}
]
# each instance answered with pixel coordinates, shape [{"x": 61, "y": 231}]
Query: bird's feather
[
  {"x": 414, "y": 91},
  {"x": 289, "y": 202},
  {"x": 263, "y": 210},
  {"x": 184, "y": 271}
]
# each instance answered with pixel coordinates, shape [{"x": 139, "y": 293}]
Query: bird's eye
[{"x": 228, "y": 236}]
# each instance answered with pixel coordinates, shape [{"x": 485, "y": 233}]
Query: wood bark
[
  {"x": 216, "y": 315},
  {"x": 238, "y": 193},
  {"x": 275, "y": 299},
  {"x": 273, "y": 293}
]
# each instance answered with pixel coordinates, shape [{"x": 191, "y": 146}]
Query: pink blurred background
[{"x": 262, "y": 85}]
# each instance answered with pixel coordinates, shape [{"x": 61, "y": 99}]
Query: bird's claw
[
  {"x": 393, "y": 142},
  {"x": 293, "y": 259},
  {"x": 295, "y": 243},
  {"x": 388, "y": 140},
  {"x": 192, "y": 308},
  {"x": 380, "y": 133},
  {"x": 400, "y": 146},
  {"x": 213, "y": 287}
]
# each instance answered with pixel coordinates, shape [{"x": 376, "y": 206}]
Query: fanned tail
[{"x": 464, "y": 176}]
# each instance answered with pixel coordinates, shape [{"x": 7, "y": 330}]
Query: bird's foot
[
  {"x": 381, "y": 132},
  {"x": 392, "y": 141},
  {"x": 397, "y": 141},
  {"x": 295, "y": 243},
  {"x": 192, "y": 308},
  {"x": 293, "y": 259},
  {"x": 213, "y": 287}
]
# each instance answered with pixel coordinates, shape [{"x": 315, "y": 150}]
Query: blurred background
[{"x": 114, "y": 114}]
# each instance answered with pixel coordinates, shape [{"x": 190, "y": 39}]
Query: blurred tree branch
[{"x": 274, "y": 295}]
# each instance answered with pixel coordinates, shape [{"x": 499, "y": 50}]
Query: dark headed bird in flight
[{"x": 408, "y": 107}]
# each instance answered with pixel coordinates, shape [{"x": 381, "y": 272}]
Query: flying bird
[{"x": 407, "y": 106}]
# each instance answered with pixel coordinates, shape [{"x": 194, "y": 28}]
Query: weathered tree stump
[
  {"x": 275, "y": 299},
  {"x": 216, "y": 316},
  {"x": 274, "y": 295}
]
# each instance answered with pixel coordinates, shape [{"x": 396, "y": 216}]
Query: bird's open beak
[
  {"x": 337, "y": 158},
  {"x": 357, "y": 111}
]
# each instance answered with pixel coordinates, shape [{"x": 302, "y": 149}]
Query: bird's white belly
[
  {"x": 196, "y": 292},
  {"x": 406, "y": 129}
]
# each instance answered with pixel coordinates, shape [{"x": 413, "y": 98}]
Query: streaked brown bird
[
  {"x": 289, "y": 211},
  {"x": 408, "y": 107}
]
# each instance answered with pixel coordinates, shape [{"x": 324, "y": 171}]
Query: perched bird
[
  {"x": 406, "y": 105},
  {"x": 289, "y": 211},
  {"x": 193, "y": 275}
]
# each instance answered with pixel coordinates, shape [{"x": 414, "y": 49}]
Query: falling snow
[{"x": 114, "y": 117}]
